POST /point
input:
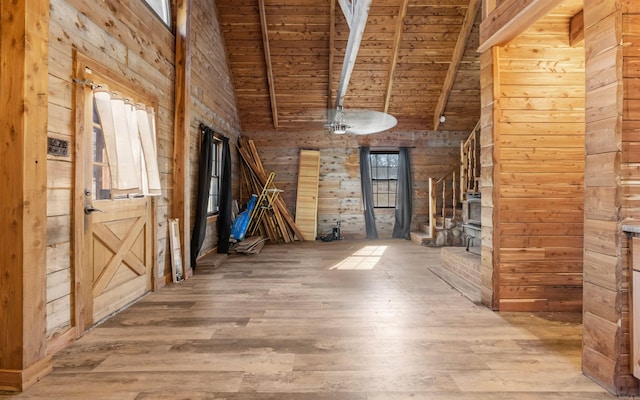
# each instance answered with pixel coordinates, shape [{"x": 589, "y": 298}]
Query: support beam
[
  {"x": 24, "y": 46},
  {"x": 510, "y": 19},
  {"x": 347, "y": 10},
  {"x": 267, "y": 60},
  {"x": 182, "y": 131},
  {"x": 361, "y": 13},
  {"x": 332, "y": 51},
  {"x": 456, "y": 58},
  {"x": 576, "y": 30},
  {"x": 397, "y": 38}
]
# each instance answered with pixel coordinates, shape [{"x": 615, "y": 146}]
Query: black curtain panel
[
  {"x": 204, "y": 182},
  {"x": 367, "y": 194},
  {"x": 402, "y": 226},
  {"x": 224, "y": 218}
]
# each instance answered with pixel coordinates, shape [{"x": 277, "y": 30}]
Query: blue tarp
[{"x": 241, "y": 223}]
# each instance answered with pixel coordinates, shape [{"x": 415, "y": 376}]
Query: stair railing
[
  {"x": 447, "y": 187},
  {"x": 442, "y": 198},
  {"x": 432, "y": 207},
  {"x": 448, "y": 192},
  {"x": 470, "y": 163}
]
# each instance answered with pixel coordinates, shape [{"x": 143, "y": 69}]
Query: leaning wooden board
[
  {"x": 307, "y": 197},
  {"x": 177, "y": 270}
]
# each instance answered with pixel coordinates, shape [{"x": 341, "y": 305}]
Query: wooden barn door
[
  {"x": 114, "y": 231},
  {"x": 117, "y": 245},
  {"x": 118, "y": 249}
]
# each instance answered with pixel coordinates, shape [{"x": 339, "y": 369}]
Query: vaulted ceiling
[{"x": 417, "y": 61}]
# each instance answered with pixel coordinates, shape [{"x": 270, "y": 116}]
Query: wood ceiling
[{"x": 417, "y": 61}]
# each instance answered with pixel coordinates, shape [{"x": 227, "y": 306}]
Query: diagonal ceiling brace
[
  {"x": 267, "y": 58},
  {"x": 359, "y": 17},
  {"x": 397, "y": 39},
  {"x": 458, "y": 52}
]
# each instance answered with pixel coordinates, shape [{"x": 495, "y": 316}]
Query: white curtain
[
  {"x": 134, "y": 140},
  {"x": 129, "y": 136},
  {"x": 147, "y": 132}
]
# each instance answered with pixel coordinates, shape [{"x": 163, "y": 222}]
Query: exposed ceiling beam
[
  {"x": 396, "y": 49},
  {"x": 510, "y": 19},
  {"x": 576, "y": 29},
  {"x": 267, "y": 59},
  {"x": 359, "y": 21},
  {"x": 347, "y": 10},
  {"x": 456, "y": 58},
  {"x": 332, "y": 52}
]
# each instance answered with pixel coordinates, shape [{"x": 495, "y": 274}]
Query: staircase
[
  {"x": 447, "y": 232},
  {"x": 445, "y": 222},
  {"x": 448, "y": 212}
]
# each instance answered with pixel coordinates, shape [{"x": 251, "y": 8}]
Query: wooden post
[
  {"x": 464, "y": 162},
  {"x": 181, "y": 140},
  {"x": 432, "y": 207},
  {"x": 454, "y": 201},
  {"x": 24, "y": 30},
  {"x": 444, "y": 199}
]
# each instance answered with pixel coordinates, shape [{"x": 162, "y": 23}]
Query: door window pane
[{"x": 101, "y": 189}]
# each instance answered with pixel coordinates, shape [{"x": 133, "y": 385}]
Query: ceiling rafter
[
  {"x": 267, "y": 58},
  {"x": 456, "y": 58},
  {"x": 358, "y": 23},
  {"x": 402, "y": 13}
]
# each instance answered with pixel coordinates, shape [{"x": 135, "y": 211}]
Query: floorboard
[{"x": 342, "y": 320}]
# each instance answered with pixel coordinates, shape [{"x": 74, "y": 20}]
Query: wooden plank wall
[
  {"x": 489, "y": 185},
  {"x": 213, "y": 101},
  {"x": 539, "y": 148},
  {"x": 146, "y": 59},
  {"x": 130, "y": 40},
  {"x": 612, "y": 126},
  {"x": 339, "y": 197}
]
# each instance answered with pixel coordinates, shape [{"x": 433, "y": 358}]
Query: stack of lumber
[
  {"x": 250, "y": 245},
  {"x": 278, "y": 223}
]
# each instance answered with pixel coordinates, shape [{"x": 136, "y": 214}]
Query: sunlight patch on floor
[{"x": 366, "y": 258}]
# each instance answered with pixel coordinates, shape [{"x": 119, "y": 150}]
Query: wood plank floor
[{"x": 346, "y": 320}]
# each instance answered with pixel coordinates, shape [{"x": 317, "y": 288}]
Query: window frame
[
  {"x": 89, "y": 72},
  {"x": 214, "y": 198},
  {"x": 391, "y": 195},
  {"x": 166, "y": 6}
]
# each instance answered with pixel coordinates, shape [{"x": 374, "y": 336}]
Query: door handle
[{"x": 90, "y": 209}]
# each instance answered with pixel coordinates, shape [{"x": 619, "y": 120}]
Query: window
[
  {"x": 120, "y": 144},
  {"x": 384, "y": 177},
  {"x": 214, "y": 190},
  {"x": 123, "y": 147},
  {"x": 162, "y": 10}
]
